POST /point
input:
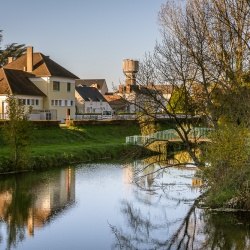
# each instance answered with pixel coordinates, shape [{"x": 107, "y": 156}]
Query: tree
[
  {"x": 17, "y": 132},
  {"x": 13, "y": 50},
  {"x": 180, "y": 101},
  {"x": 205, "y": 51}
]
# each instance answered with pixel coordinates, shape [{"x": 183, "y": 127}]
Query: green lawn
[{"x": 53, "y": 146}]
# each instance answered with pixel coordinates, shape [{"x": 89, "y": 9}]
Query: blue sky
[{"x": 88, "y": 37}]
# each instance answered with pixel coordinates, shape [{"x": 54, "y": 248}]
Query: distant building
[
  {"x": 99, "y": 84},
  {"x": 137, "y": 96},
  {"x": 116, "y": 102},
  {"x": 90, "y": 100}
]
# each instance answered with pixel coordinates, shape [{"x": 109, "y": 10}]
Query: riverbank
[{"x": 54, "y": 147}]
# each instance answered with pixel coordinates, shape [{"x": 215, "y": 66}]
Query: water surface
[{"x": 98, "y": 206}]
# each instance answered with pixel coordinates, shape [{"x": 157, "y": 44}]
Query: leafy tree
[
  {"x": 227, "y": 179},
  {"x": 11, "y": 50},
  {"x": 205, "y": 47},
  {"x": 180, "y": 101},
  {"x": 16, "y": 132}
]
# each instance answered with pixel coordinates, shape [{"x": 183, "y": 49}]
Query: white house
[{"x": 90, "y": 100}]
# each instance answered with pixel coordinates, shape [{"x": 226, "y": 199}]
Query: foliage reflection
[
  {"x": 29, "y": 201},
  {"x": 173, "y": 219}
]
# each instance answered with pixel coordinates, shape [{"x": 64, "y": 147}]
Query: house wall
[
  {"x": 104, "y": 88},
  {"x": 96, "y": 107},
  {"x": 90, "y": 106},
  {"x": 80, "y": 104},
  {"x": 3, "y": 106},
  {"x": 62, "y": 100},
  {"x": 35, "y": 102}
]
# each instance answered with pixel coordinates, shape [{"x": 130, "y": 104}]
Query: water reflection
[
  {"x": 29, "y": 201},
  {"x": 156, "y": 211},
  {"x": 165, "y": 215}
]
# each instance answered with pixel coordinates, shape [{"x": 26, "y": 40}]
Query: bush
[{"x": 229, "y": 171}]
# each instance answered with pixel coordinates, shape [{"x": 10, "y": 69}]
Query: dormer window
[{"x": 56, "y": 86}]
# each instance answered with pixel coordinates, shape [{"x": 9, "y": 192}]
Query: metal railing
[{"x": 196, "y": 133}]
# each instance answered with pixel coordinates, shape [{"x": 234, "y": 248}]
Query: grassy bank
[{"x": 60, "y": 146}]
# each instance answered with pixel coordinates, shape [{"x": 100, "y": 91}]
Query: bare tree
[{"x": 205, "y": 50}]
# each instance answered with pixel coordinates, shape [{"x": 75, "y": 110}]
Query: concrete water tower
[{"x": 130, "y": 68}]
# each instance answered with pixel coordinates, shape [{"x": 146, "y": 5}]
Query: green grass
[
  {"x": 59, "y": 146},
  {"x": 52, "y": 147}
]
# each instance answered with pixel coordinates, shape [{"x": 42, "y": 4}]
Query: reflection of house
[
  {"x": 41, "y": 83},
  {"x": 5, "y": 201},
  {"x": 99, "y": 84},
  {"x": 90, "y": 100},
  {"x": 47, "y": 198},
  {"x": 197, "y": 182}
]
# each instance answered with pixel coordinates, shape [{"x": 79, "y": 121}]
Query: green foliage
[
  {"x": 228, "y": 176},
  {"x": 11, "y": 50},
  {"x": 180, "y": 101},
  {"x": 147, "y": 124},
  {"x": 16, "y": 132}
]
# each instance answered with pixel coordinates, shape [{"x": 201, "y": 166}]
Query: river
[{"x": 112, "y": 206}]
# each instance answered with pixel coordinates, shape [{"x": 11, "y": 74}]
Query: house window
[
  {"x": 71, "y": 103},
  {"x": 68, "y": 86},
  {"x": 60, "y": 102},
  {"x": 37, "y": 102},
  {"x": 28, "y": 101},
  {"x": 65, "y": 103},
  {"x": 20, "y": 102},
  {"x": 32, "y": 102},
  {"x": 52, "y": 102},
  {"x": 56, "y": 102},
  {"x": 56, "y": 86}
]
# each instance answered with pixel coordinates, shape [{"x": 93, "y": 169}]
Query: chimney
[
  {"x": 30, "y": 59},
  {"x": 10, "y": 59}
]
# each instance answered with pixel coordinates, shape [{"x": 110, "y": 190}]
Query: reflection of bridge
[{"x": 196, "y": 134}]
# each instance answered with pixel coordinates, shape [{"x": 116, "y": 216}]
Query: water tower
[{"x": 130, "y": 68}]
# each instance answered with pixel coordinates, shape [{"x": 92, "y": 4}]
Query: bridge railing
[{"x": 167, "y": 135}]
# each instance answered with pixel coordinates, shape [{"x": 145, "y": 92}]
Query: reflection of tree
[
  {"x": 142, "y": 231},
  {"x": 195, "y": 229},
  {"x": 199, "y": 229},
  {"x": 16, "y": 211},
  {"x": 148, "y": 170},
  {"x": 227, "y": 230},
  {"x": 32, "y": 199}
]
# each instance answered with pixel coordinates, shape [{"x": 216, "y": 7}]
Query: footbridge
[{"x": 197, "y": 134}]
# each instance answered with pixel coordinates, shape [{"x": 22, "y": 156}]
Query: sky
[{"x": 90, "y": 38}]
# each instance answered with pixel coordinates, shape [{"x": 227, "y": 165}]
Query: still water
[{"x": 112, "y": 206}]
